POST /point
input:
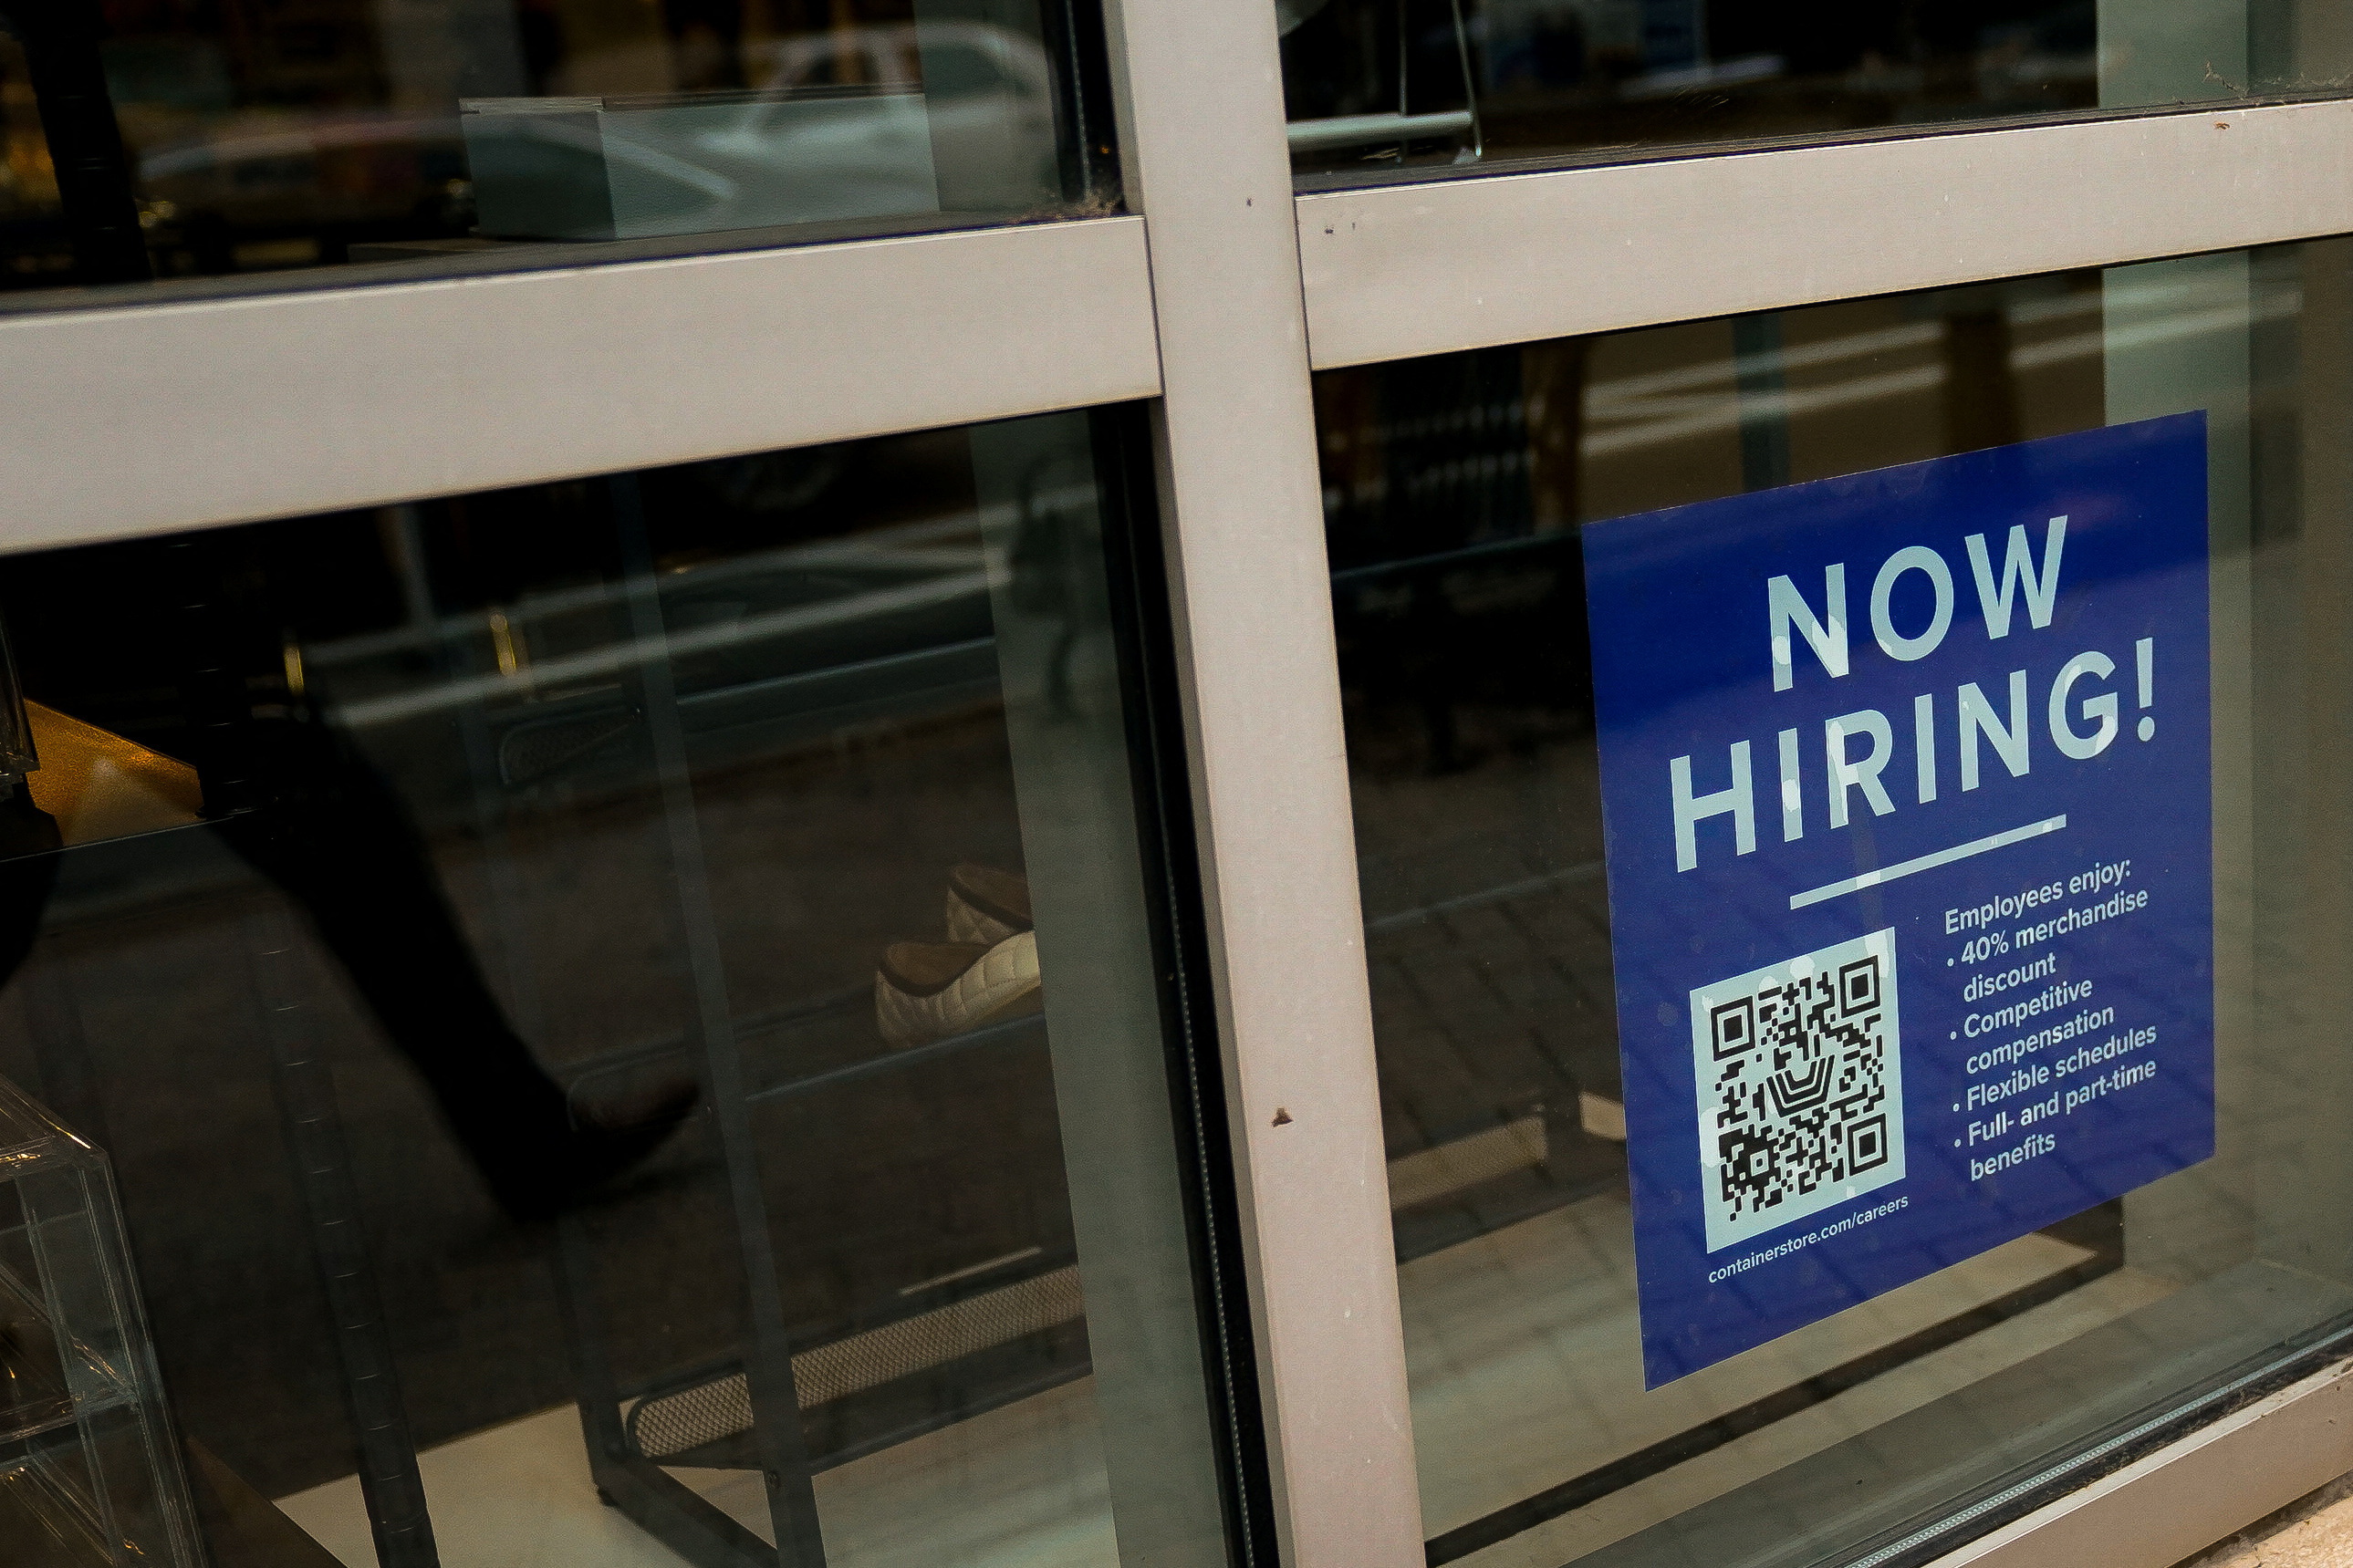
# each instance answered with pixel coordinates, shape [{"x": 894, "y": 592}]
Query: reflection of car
[
  {"x": 330, "y": 180},
  {"x": 860, "y": 122},
  {"x": 989, "y": 93},
  {"x": 626, "y": 167},
  {"x": 841, "y": 129}
]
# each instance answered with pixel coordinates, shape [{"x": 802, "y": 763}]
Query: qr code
[{"x": 1800, "y": 1075}]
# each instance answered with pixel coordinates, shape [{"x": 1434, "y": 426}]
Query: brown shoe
[
  {"x": 926, "y": 991},
  {"x": 985, "y": 905}
]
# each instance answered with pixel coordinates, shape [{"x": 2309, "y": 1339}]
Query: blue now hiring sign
[{"x": 1906, "y": 795}]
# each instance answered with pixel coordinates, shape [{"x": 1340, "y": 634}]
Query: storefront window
[
  {"x": 1377, "y": 84},
  {"x": 1925, "y": 1293},
  {"x": 168, "y": 139},
  {"x": 626, "y": 1022}
]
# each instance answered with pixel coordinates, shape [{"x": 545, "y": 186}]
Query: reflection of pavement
[
  {"x": 1487, "y": 927},
  {"x": 1526, "y": 1370},
  {"x": 1487, "y": 941},
  {"x": 817, "y": 860}
]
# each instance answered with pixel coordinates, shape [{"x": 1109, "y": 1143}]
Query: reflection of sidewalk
[
  {"x": 1526, "y": 1371},
  {"x": 818, "y": 861},
  {"x": 1486, "y": 936}
]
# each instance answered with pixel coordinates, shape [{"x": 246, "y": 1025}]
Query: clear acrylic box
[{"x": 88, "y": 1470}]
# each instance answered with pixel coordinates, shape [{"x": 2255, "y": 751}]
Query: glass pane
[
  {"x": 627, "y": 1019},
  {"x": 1966, "y": 1263},
  {"x": 180, "y": 140},
  {"x": 1375, "y": 84}
]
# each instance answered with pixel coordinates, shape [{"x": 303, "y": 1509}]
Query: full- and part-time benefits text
[{"x": 2042, "y": 1047}]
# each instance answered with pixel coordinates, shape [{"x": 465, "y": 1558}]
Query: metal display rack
[{"x": 921, "y": 1357}]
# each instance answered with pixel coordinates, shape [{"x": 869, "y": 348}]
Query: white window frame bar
[
  {"x": 2191, "y": 1493},
  {"x": 1397, "y": 271},
  {"x": 146, "y": 418},
  {"x": 1198, "y": 90}
]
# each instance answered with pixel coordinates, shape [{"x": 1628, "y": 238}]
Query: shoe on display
[
  {"x": 987, "y": 905},
  {"x": 574, "y": 1149},
  {"x": 926, "y": 991}
]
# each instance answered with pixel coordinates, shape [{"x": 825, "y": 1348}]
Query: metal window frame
[
  {"x": 2191, "y": 1493},
  {"x": 147, "y": 418},
  {"x": 1216, "y": 301},
  {"x": 1396, "y": 271}
]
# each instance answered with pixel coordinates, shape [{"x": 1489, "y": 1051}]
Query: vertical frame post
[{"x": 1199, "y": 94}]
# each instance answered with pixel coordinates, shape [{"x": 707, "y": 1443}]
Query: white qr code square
[{"x": 1800, "y": 1074}]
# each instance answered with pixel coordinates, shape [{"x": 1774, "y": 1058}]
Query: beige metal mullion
[{"x": 1206, "y": 162}]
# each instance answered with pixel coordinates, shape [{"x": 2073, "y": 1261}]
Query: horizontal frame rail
[
  {"x": 1397, "y": 271},
  {"x": 152, "y": 417},
  {"x": 2191, "y": 1493}
]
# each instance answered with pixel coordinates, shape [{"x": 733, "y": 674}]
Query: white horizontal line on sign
[{"x": 1928, "y": 862}]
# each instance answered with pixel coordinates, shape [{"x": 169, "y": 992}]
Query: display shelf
[
  {"x": 34, "y": 1394},
  {"x": 90, "y": 1474},
  {"x": 46, "y": 1521}
]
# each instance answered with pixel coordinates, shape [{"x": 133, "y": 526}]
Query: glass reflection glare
[
  {"x": 628, "y": 992},
  {"x": 1373, "y": 84},
  {"x": 1455, "y": 487},
  {"x": 163, "y": 140}
]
